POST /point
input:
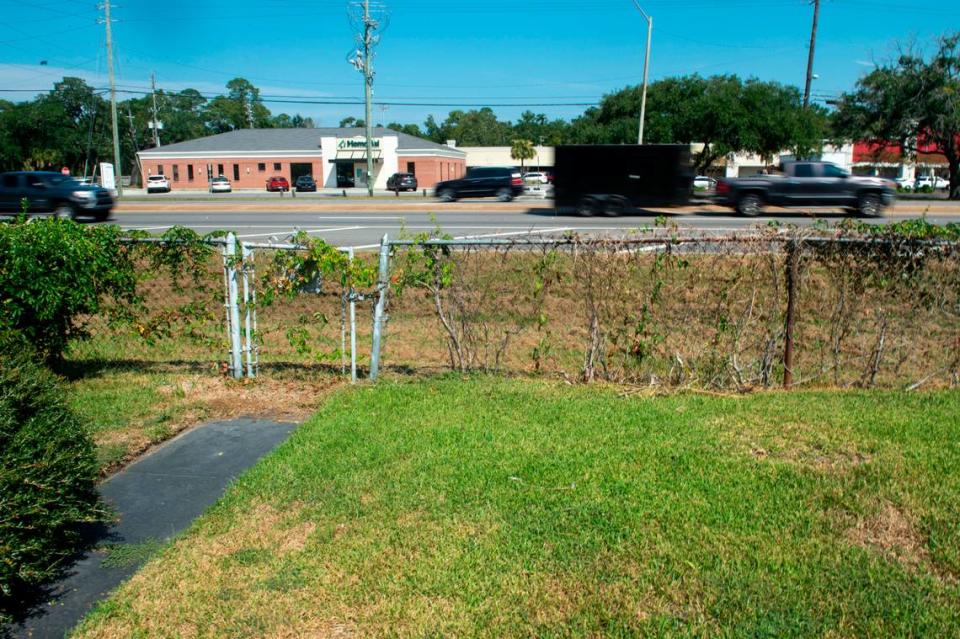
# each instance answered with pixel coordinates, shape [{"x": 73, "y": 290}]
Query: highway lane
[{"x": 365, "y": 228}]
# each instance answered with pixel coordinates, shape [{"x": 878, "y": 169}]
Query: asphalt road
[{"x": 363, "y": 226}]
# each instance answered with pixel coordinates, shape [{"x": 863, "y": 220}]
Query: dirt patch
[{"x": 891, "y": 533}]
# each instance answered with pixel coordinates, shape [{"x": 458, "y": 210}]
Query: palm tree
[{"x": 522, "y": 150}]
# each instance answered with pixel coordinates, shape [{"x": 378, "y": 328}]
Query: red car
[{"x": 278, "y": 183}]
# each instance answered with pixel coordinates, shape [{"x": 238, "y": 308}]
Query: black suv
[
  {"x": 305, "y": 183},
  {"x": 486, "y": 181},
  {"x": 402, "y": 182},
  {"x": 48, "y": 192}
]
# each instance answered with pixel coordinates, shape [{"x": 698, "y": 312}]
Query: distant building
[
  {"x": 334, "y": 157},
  {"x": 500, "y": 156}
]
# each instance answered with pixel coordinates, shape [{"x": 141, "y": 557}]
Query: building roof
[{"x": 243, "y": 140}]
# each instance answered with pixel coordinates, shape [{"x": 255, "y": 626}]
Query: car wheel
[
  {"x": 587, "y": 207},
  {"x": 102, "y": 216},
  {"x": 504, "y": 195},
  {"x": 64, "y": 212},
  {"x": 750, "y": 205},
  {"x": 869, "y": 205},
  {"x": 447, "y": 195}
]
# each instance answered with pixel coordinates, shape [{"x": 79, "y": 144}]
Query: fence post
[
  {"x": 353, "y": 325},
  {"x": 247, "y": 254},
  {"x": 236, "y": 361},
  {"x": 383, "y": 282},
  {"x": 792, "y": 276}
]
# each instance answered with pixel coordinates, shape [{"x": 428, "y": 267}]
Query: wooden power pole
[{"x": 813, "y": 46}]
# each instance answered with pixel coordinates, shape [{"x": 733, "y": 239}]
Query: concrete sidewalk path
[{"x": 155, "y": 498}]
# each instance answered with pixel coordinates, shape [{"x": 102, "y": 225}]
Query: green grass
[{"x": 507, "y": 508}]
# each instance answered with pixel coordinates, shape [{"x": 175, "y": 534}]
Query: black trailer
[{"x": 611, "y": 179}]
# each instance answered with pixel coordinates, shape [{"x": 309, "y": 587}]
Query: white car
[
  {"x": 220, "y": 184},
  {"x": 535, "y": 177},
  {"x": 904, "y": 184},
  {"x": 158, "y": 184},
  {"x": 704, "y": 182},
  {"x": 934, "y": 182}
]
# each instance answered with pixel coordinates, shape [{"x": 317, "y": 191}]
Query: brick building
[{"x": 335, "y": 157}]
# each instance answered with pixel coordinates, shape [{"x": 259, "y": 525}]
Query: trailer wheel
[
  {"x": 750, "y": 205},
  {"x": 614, "y": 208},
  {"x": 587, "y": 207}
]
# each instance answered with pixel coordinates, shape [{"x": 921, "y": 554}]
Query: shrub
[
  {"x": 54, "y": 271},
  {"x": 48, "y": 472}
]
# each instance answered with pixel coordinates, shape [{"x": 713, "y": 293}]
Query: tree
[
  {"x": 470, "y": 128},
  {"x": 521, "y": 149},
  {"x": 724, "y": 113},
  {"x": 351, "y": 122},
  {"x": 911, "y": 102},
  {"x": 409, "y": 129},
  {"x": 239, "y": 109}
]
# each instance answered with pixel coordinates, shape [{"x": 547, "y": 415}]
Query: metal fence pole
[
  {"x": 236, "y": 360},
  {"x": 792, "y": 276},
  {"x": 353, "y": 325},
  {"x": 247, "y": 254},
  {"x": 382, "y": 284}
]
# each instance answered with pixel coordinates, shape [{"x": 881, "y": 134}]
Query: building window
[
  {"x": 261, "y": 166},
  {"x": 189, "y": 173},
  {"x": 412, "y": 168},
  {"x": 276, "y": 166},
  {"x": 219, "y": 169},
  {"x": 159, "y": 169},
  {"x": 176, "y": 173},
  {"x": 236, "y": 171}
]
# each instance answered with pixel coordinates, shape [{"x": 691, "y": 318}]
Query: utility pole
[
  {"x": 156, "y": 119},
  {"x": 368, "y": 21},
  {"x": 813, "y": 45},
  {"x": 113, "y": 100},
  {"x": 368, "y": 90},
  {"x": 646, "y": 69}
]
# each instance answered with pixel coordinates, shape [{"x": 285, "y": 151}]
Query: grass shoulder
[{"x": 490, "y": 507}]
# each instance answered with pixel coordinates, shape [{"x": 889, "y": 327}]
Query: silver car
[{"x": 220, "y": 184}]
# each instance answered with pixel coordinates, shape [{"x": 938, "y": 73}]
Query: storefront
[{"x": 335, "y": 158}]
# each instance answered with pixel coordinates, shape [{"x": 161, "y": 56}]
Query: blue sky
[{"x": 542, "y": 53}]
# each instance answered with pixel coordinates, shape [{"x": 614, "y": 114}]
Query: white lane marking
[
  {"x": 512, "y": 233},
  {"x": 342, "y": 228},
  {"x": 148, "y": 228}
]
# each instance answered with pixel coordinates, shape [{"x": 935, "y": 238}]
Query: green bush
[
  {"x": 48, "y": 474},
  {"x": 54, "y": 271}
]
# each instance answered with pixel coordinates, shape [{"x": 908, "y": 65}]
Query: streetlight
[{"x": 646, "y": 68}]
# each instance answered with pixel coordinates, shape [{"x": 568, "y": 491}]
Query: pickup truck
[
  {"x": 807, "y": 184},
  {"x": 48, "y": 192}
]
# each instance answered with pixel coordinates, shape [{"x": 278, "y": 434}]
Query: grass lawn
[{"x": 497, "y": 508}]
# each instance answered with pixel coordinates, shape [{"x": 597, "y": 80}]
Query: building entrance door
[
  {"x": 345, "y": 174},
  {"x": 299, "y": 169}
]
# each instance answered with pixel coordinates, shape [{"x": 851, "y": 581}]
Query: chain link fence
[{"x": 659, "y": 308}]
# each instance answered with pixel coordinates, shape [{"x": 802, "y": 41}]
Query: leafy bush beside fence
[{"x": 48, "y": 472}]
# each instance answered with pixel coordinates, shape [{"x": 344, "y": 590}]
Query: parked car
[
  {"x": 220, "y": 184},
  {"x": 904, "y": 184},
  {"x": 503, "y": 182},
  {"x": 278, "y": 183},
  {"x": 808, "y": 184},
  {"x": 305, "y": 183},
  {"x": 48, "y": 192},
  {"x": 158, "y": 184},
  {"x": 402, "y": 182},
  {"x": 704, "y": 183},
  {"x": 932, "y": 181},
  {"x": 536, "y": 177}
]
